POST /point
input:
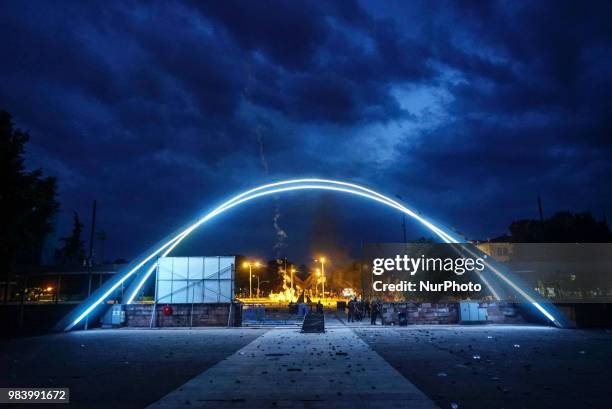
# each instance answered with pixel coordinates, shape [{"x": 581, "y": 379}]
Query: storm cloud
[{"x": 467, "y": 110}]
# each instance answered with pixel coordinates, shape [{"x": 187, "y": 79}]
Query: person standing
[
  {"x": 375, "y": 311},
  {"x": 351, "y": 311}
]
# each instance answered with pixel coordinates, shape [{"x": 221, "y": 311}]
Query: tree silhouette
[
  {"x": 73, "y": 250},
  {"x": 562, "y": 227},
  {"x": 27, "y": 200}
]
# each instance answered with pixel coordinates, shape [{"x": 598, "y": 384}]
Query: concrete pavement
[
  {"x": 287, "y": 369},
  {"x": 500, "y": 366},
  {"x": 474, "y": 367},
  {"x": 123, "y": 368}
]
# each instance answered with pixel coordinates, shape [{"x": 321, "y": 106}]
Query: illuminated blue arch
[{"x": 167, "y": 245}]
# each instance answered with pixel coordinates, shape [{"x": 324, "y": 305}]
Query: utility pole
[
  {"x": 92, "y": 233},
  {"x": 285, "y": 271},
  {"x": 540, "y": 210},
  {"x": 91, "y": 247}
]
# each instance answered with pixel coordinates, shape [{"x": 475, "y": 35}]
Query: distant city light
[{"x": 348, "y": 293}]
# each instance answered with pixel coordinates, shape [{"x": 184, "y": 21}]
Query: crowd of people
[{"x": 358, "y": 310}]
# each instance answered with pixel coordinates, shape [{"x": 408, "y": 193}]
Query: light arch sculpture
[{"x": 143, "y": 267}]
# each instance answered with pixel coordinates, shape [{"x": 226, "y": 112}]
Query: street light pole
[
  {"x": 250, "y": 265},
  {"x": 322, "y": 260},
  {"x": 323, "y": 275},
  {"x": 250, "y": 282},
  {"x": 293, "y": 271}
]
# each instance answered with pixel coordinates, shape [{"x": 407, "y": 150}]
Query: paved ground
[
  {"x": 472, "y": 367},
  {"x": 287, "y": 369},
  {"x": 501, "y": 366},
  {"x": 116, "y": 368}
]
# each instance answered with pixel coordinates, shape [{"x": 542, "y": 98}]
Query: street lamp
[
  {"x": 292, "y": 272},
  {"x": 250, "y": 265},
  {"x": 322, "y": 260}
]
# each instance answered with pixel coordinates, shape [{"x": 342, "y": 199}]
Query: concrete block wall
[
  {"x": 502, "y": 312},
  {"x": 448, "y": 313},
  {"x": 183, "y": 315},
  {"x": 421, "y": 313}
]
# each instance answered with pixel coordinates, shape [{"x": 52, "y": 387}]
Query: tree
[
  {"x": 27, "y": 199},
  {"x": 73, "y": 250},
  {"x": 562, "y": 227}
]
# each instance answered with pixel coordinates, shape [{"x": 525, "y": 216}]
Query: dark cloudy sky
[{"x": 468, "y": 110}]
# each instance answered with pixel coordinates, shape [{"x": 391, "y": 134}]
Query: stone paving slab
[
  {"x": 116, "y": 368},
  {"x": 501, "y": 366},
  {"x": 287, "y": 369}
]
